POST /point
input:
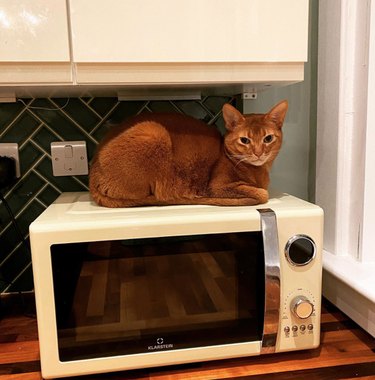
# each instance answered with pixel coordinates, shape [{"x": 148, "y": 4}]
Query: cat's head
[{"x": 254, "y": 139}]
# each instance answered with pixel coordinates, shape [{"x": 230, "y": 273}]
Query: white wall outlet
[
  {"x": 11, "y": 150},
  {"x": 69, "y": 158}
]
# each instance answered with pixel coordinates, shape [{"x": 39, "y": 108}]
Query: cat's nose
[{"x": 257, "y": 153}]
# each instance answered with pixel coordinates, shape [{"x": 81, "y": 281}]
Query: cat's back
[
  {"x": 185, "y": 132},
  {"x": 175, "y": 123}
]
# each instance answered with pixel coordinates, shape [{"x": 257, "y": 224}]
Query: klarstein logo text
[{"x": 160, "y": 345}]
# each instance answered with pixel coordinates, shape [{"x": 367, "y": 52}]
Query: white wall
[
  {"x": 345, "y": 155},
  {"x": 290, "y": 172},
  {"x": 294, "y": 169}
]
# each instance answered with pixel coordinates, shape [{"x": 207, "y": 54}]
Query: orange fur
[{"x": 162, "y": 159}]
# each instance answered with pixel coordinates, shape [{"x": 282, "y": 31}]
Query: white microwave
[{"x": 120, "y": 289}]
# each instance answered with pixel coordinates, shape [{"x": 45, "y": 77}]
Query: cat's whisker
[
  {"x": 242, "y": 160},
  {"x": 239, "y": 158}
]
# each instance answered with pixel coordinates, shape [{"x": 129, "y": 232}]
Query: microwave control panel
[
  {"x": 298, "y": 318},
  {"x": 300, "y": 302}
]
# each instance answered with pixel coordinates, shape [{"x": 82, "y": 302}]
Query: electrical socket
[
  {"x": 11, "y": 150},
  {"x": 69, "y": 158}
]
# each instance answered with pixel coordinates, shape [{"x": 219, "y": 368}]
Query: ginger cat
[{"x": 165, "y": 159}]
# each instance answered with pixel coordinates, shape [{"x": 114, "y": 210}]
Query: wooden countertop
[{"x": 346, "y": 352}]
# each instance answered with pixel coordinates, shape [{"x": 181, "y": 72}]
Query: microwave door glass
[{"x": 144, "y": 295}]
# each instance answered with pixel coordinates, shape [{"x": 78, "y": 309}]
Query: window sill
[
  {"x": 349, "y": 285},
  {"x": 359, "y": 276}
]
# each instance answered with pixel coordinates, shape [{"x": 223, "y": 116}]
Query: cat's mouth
[
  {"x": 252, "y": 160},
  {"x": 258, "y": 161}
]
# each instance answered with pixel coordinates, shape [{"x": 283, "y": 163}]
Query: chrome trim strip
[{"x": 272, "y": 280}]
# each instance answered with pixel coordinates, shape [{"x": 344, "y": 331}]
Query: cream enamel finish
[
  {"x": 257, "y": 76},
  {"x": 300, "y": 280},
  {"x": 182, "y": 31},
  {"x": 31, "y": 73},
  {"x": 74, "y": 218},
  {"x": 48, "y": 48},
  {"x": 34, "y": 42},
  {"x": 200, "y": 42},
  {"x": 34, "y": 31}
]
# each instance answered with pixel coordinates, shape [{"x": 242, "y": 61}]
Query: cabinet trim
[
  {"x": 35, "y": 73},
  {"x": 189, "y": 73}
]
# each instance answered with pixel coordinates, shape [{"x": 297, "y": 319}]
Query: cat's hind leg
[{"x": 126, "y": 169}]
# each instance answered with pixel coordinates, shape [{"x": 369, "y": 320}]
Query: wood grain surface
[{"x": 346, "y": 352}]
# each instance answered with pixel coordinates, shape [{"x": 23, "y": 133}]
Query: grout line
[
  {"x": 80, "y": 182},
  {"x": 103, "y": 120},
  {"x": 17, "y": 277},
  {"x": 37, "y": 129},
  {"x": 20, "y": 213},
  {"x": 33, "y": 166},
  {"x": 111, "y": 110},
  {"x": 45, "y": 153},
  {"x": 46, "y": 125},
  {"x": 24, "y": 175},
  {"x": 90, "y": 100},
  {"x": 48, "y": 182},
  {"x": 216, "y": 117},
  {"x": 74, "y": 122},
  {"x": 41, "y": 202},
  {"x": 210, "y": 114},
  {"x": 26, "y": 205},
  {"x": 176, "y": 107},
  {"x": 13, "y": 122},
  {"x": 10, "y": 254},
  {"x": 145, "y": 107},
  {"x": 87, "y": 105}
]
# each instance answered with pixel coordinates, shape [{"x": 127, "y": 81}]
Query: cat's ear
[
  {"x": 231, "y": 116},
  {"x": 278, "y": 112}
]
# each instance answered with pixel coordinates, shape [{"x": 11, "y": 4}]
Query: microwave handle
[{"x": 272, "y": 280}]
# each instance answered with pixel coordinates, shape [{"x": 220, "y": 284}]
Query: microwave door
[
  {"x": 134, "y": 296},
  {"x": 272, "y": 280}
]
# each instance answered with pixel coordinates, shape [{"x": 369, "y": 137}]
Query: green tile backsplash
[{"x": 34, "y": 124}]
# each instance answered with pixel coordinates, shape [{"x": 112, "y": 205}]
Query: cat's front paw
[
  {"x": 262, "y": 195},
  {"x": 257, "y": 193}
]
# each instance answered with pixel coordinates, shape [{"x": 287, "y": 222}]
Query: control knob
[{"x": 302, "y": 307}]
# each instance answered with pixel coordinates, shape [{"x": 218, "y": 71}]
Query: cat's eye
[
  {"x": 268, "y": 139},
  {"x": 245, "y": 140}
]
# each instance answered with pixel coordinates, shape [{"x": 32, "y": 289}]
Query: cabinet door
[
  {"x": 34, "y": 31},
  {"x": 34, "y": 43},
  {"x": 118, "y": 31}
]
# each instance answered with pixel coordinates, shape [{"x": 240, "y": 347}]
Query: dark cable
[
  {"x": 15, "y": 224},
  {"x": 23, "y": 241}
]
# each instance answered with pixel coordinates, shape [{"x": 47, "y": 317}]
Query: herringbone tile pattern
[{"x": 34, "y": 124}]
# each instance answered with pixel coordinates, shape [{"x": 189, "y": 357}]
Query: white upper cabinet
[
  {"x": 189, "y": 30},
  {"x": 189, "y": 41},
  {"x": 34, "y": 34},
  {"x": 243, "y": 45},
  {"x": 34, "y": 31}
]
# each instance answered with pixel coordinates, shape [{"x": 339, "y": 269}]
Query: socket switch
[
  {"x": 11, "y": 150},
  {"x": 69, "y": 158}
]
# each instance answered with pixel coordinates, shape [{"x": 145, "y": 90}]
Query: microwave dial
[
  {"x": 300, "y": 250},
  {"x": 302, "y": 307}
]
